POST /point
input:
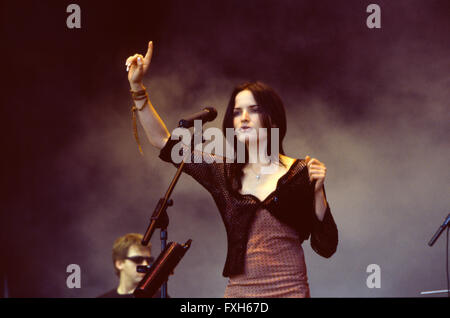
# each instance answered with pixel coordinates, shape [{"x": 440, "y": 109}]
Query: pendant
[{"x": 258, "y": 176}]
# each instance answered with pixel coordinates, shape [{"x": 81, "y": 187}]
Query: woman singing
[{"x": 269, "y": 207}]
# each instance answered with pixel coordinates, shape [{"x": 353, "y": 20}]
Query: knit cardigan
[{"x": 292, "y": 203}]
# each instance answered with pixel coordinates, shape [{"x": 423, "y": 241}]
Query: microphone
[
  {"x": 207, "y": 114},
  {"x": 440, "y": 230}
]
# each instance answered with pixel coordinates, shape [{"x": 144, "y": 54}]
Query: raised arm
[{"x": 155, "y": 129}]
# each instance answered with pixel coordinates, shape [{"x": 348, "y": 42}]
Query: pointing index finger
[{"x": 148, "y": 55}]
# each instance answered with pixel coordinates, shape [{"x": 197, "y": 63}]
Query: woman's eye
[{"x": 253, "y": 109}]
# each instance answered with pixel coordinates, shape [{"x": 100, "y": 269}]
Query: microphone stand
[
  {"x": 159, "y": 218},
  {"x": 444, "y": 225},
  {"x": 430, "y": 292},
  {"x": 440, "y": 230}
]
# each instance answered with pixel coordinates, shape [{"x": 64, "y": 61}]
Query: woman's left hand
[{"x": 317, "y": 171}]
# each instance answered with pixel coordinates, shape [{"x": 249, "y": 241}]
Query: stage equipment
[{"x": 171, "y": 255}]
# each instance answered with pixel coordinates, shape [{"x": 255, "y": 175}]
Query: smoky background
[{"x": 371, "y": 104}]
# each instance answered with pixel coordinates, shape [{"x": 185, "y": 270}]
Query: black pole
[
  {"x": 440, "y": 230},
  {"x": 160, "y": 210},
  {"x": 163, "y": 236},
  {"x": 159, "y": 218}
]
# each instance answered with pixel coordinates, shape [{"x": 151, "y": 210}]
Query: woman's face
[{"x": 246, "y": 117}]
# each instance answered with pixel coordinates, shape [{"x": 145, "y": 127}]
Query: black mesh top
[{"x": 292, "y": 202}]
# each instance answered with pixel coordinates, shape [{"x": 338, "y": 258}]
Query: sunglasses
[{"x": 140, "y": 259}]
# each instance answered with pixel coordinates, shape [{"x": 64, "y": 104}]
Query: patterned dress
[{"x": 274, "y": 262}]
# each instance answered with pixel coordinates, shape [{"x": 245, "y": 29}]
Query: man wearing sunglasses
[{"x": 127, "y": 254}]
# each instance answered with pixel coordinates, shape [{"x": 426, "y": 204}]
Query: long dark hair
[{"x": 272, "y": 114}]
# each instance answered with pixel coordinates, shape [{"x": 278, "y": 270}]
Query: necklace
[
  {"x": 257, "y": 175},
  {"x": 262, "y": 171}
]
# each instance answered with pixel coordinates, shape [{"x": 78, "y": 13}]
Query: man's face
[{"x": 127, "y": 267}]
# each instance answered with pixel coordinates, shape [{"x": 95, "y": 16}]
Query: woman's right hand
[{"x": 137, "y": 66}]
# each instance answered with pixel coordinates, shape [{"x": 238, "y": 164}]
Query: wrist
[
  {"x": 137, "y": 86},
  {"x": 319, "y": 191}
]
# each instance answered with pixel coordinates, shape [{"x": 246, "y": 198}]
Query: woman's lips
[{"x": 245, "y": 129}]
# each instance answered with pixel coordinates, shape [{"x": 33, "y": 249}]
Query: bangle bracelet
[{"x": 138, "y": 95}]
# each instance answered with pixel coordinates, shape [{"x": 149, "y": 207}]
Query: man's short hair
[{"x": 122, "y": 245}]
